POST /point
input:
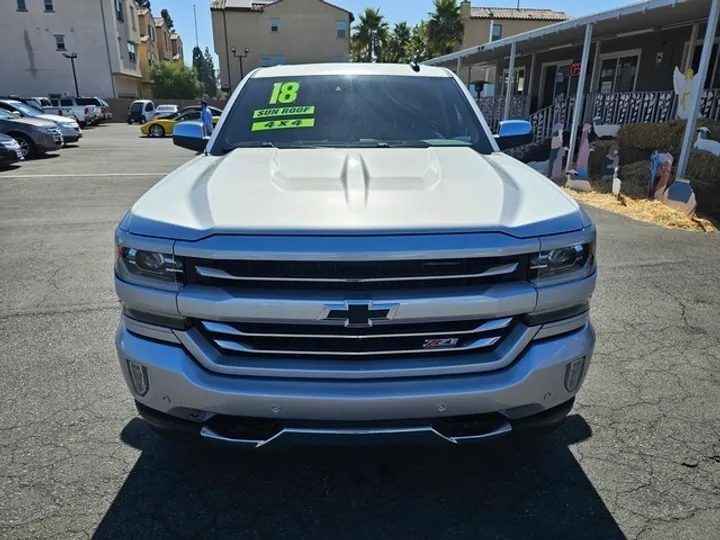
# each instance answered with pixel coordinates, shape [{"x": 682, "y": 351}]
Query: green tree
[
  {"x": 418, "y": 46},
  {"x": 446, "y": 28},
  {"x": 175, "y": 80},
  {"x": 165, "y": 14},
  {"x": 370, "y": 37},
  {"x": 398, "y": 45},
  {"x": 210, "y": 77}
]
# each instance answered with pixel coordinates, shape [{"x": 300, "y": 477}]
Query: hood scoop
[{"x": 358, "y": 173}]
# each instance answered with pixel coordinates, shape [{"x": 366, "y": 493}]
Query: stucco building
[
  {"x": 35, "y": 35},
  {"x": 277, "y": 32}
]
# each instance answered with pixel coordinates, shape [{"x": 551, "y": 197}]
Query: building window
[
  {"x": 618, "y": 72},
  {"x": 60, "y": 42},
  {"x": 274, "y": 25},
  {"x": 341, "y": 29},
  {"x": 49, "y": 5},
  {"x": 119, "y": 15},
  {"x": 496, "y": 32},
  {"x": 21, "y": 6},
  {"x": 132, "y": 17},
  {"x": 712, "y": 79},
  {"x": 151, "y": 31},
  {"x": 132, "y": 52}
]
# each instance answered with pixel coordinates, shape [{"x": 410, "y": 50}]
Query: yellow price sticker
[
  {"x": 284, "y": 111},
  {"x": 283, "y": 124}
]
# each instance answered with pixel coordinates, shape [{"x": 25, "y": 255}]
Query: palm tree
[
  {"x": 417, "y": 48},
  {"x": 445, "y": 27},
  {"x": 371, "y": 35},
  {"x": 397, "y": 47}
]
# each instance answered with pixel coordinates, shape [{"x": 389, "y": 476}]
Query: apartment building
[
  {"x": 162, "y": 34},
  {"x": 484, "y": 24},
  {"x": 35, "y": 36},
  {"x": 148, "y": 49},
  {"x": 176, "y": 44},
  {"x": 252, "y": 33}
]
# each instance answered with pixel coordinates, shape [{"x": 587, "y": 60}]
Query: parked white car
[
  {"x": 165, "y": 110},
  {"x": 69, "y": 106},
  {"x": 141, "y": 110}
]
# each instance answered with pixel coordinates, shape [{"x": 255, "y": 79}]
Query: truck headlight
[
  {"x": 149, "y": 268},
  {"x": 564, "y": 264}
]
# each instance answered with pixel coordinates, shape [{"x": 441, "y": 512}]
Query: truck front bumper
[{"x": 256, "y": 412}]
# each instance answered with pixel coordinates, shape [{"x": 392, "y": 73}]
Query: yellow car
[{"x": 159, "y": 127}]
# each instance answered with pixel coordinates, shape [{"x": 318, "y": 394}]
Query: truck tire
[{"x": 27, "y": 146}]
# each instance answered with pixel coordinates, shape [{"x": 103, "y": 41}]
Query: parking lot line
[{"x": 82, "y": 175}]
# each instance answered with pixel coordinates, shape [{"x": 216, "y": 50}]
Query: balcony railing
[{"x": 493, "y": 108}]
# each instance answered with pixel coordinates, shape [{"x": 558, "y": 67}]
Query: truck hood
[{"x": 353, "y": 191}]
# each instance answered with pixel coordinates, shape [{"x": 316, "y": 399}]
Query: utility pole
[
  {"x": 72, "y": 57},
  {"x": 197, "y": 42}
]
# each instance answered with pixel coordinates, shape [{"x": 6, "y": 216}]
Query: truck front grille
[
  {"x": 332, "y": 340},
  {"x": 355, "y": 276}
]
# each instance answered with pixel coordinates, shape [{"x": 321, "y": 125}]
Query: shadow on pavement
[
  {"x": 493, "y": 492},
  {"x": 11, "y": 167}
]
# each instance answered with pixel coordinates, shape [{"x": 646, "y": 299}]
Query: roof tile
[{"x": 531, "y": 14}]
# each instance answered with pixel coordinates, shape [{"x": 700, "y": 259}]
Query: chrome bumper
[{"x": 180, "y": 387}]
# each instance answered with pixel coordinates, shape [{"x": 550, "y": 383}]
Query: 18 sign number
[{"x": 284, "y": 92}]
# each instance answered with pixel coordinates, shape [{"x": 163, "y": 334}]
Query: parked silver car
[
  {"x": 34, "y": 135},
  {"x": 69, "y": 127}
]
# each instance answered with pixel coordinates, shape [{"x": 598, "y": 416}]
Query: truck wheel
[
  {"x": 27, "y": 147},
  {"x": 156, "y": 130}
]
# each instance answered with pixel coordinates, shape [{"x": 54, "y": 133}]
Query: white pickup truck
[{"x": 69, "y": 106}]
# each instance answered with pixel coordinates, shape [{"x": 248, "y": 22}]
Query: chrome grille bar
[
  {"x": 221, "y": 328},
  {"x": 238, "y": 347},
  {"x": 221, "y": 274}
]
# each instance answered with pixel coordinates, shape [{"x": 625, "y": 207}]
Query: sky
[{"x": 411, "y": 11}]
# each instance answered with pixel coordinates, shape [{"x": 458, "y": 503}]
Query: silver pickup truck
[{"x": 352, "y": 257}]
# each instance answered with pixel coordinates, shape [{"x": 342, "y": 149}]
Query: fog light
[
  {"x": 139, "y": 378},
  {"x": 573, "y": 374}
]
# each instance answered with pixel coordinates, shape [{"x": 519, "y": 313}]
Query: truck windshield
[{"x": 344, "y": 111}]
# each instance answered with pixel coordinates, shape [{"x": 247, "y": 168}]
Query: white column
[
  {"x": 579, "y": 95},
  {"x": 458, "y": 67},
  {"x": 511, "y": 80},
  {"x": 691, "y": 46},
  {"x": 529, "y": 86},
  {"x": 596, "y": 67},
  {"x": 695, "y": 98}
]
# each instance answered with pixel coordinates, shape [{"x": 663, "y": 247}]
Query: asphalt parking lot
[{"x": 638, "y": 458}]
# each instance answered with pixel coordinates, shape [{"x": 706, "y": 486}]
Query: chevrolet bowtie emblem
[{"x": 358, "y": 314}]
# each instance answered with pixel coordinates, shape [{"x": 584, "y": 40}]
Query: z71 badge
[{"x": 443, "y": 343}]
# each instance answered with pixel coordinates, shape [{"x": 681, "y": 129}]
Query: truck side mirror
[
  {"x": 190, "y": 135},
  {"x": 513, "y": 133}
]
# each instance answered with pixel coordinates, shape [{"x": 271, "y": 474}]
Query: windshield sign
[{"x": 352, "y": 111}]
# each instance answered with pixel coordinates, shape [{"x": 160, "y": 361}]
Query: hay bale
[
  {"x": 663, "y": 137},
  {"x": 704, "y": 173},
  {"x": 601, "y": 148}
]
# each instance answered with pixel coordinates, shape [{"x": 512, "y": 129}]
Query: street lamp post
[
  {"x": 72, "y": 57},
  {"x": 240, "y": 57}
]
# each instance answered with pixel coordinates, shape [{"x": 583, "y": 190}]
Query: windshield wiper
[{"x": 248, "y": 144}]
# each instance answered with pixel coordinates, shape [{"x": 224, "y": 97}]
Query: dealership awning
[{"x": 633, "y": 19}]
